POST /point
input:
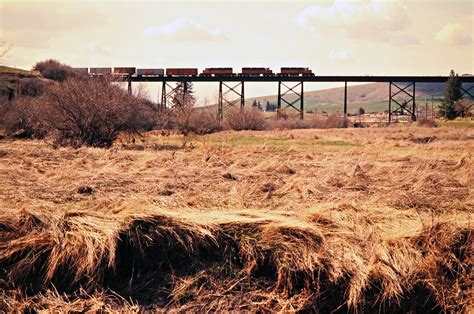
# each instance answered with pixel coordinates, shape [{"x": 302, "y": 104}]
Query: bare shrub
[
  {"x": 247, "y": 118},
  {"x": 290, "y": 123},
  {"x": 463, "y": 107},
  {"x": 22, "y": 119},
  {"x": 205, "y": 121},
  {"x": 426, "y": 122},
  {"x": 32, "y": 87},
  {"x": 334, "y": 120},
  {"x": 92, "y": 112},
  {"x": 53, "y": 70}
]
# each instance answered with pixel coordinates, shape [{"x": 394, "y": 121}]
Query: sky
[{"x": 332, "y": 37}]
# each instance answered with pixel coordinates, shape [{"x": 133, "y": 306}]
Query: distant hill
[
  {"x": 372, "y": 97},
  {"x": 10, "y": 79}
]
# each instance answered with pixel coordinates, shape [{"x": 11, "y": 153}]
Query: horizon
[{"x": 359, "y": 37}]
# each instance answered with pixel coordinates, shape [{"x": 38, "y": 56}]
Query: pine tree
[
  {"x": 254, "y": 104},
  {"x": 180, "y": 99},
  {"x": 452, "y": 93}
]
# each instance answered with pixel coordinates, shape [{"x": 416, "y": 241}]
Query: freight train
[{"x": 208, "y": 72}]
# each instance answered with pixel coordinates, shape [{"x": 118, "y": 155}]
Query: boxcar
[
  {"x": 296, "y": 72},
  {"x": 100, "y": 71},
  {"x": 124, "y": 70},
  {"x": 217, "y": 72},
  {"x": 181, "y": 71},
  {"x": 150, "y": 72},
  {"x": 257, "y": 71}
]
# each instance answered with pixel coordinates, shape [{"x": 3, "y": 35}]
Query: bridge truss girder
[
  {"x": 168, "y": 93},
  {"x": 223, "y": 102},
  {"x": 408, "y": 105},
  {"x": 291, "y": 91}
]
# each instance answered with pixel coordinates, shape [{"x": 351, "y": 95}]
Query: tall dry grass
[{"x": 359, "y": 220}]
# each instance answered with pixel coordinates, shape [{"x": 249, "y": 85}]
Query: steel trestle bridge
[{"x": 294, "y": 86}]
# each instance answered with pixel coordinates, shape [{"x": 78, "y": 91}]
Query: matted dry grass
[{"x": 319, "y": 220}]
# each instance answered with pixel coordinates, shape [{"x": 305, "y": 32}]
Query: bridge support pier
[
  {"x": 129, "y": 87},
  {"x": 223, "y": 103},
  {"x": 289, "y": 92},
  {"x": 345, "y": 100},
  {"x": 168, "y": 99},
  {"x": 404, "y": 106}
]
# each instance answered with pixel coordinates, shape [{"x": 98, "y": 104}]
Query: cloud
[
  {"x": 454, "y": 34},
  {"x": 341, "y": 55},
  {"x": 184, "y": 30},
  {"x": 372, "y": 20}
]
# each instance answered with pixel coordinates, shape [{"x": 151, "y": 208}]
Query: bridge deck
[{"x": 386, "y": 79}]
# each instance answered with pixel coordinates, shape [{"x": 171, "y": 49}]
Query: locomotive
[{"x": 208, "y": 72}]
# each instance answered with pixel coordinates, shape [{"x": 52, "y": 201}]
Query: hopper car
[
  {"x": 81, "y": 71},
  {"x": 150, "y": 72},
  {"x": 124, "y": 70},
  {"x": 181, "y": 72},
  {"x": 100, "y": 71}
]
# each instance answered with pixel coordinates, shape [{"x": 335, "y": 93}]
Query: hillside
[
  {"x": 372, "y": 97},
  {"x": 11, "y": 78}
]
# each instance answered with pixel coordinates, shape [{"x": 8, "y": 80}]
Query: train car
[
  {"x": 150, "y": 72},
  {"x": 256, "y": 72},
  {"x": 124, "y": 71},
  {"x": 80, "y": 71},
  {"x": 217, "y": 72},
  {"x": 100, "y": 71},
  {"x": 296, "y": 72},
  {"x": 181, "y": 71}
]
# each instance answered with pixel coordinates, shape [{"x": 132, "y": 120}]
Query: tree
[
  {"x": 184, "y": 95},
  {"x": 361, "y": 111},
  {"x": 452, "y": 93},
  {"x": 254, "y": 104}
]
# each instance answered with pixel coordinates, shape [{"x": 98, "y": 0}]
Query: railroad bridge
[{"x": 294, "y": 86}]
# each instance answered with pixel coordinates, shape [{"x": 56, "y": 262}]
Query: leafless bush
[
  {"x": 23, "y": 118},
  {"x": 247, "y": 118},
  {"x": 463, "y": 107},
  {"x": 191, "y": 120},
  {"x": 426, "y": 122},
  {"x": 53, "y": 70},
  {"x": 92, "y": 112},
  {"x": 32, "y": 87},
  {"x": 205, "y": 121},
  {"x": 335, "y": 120}
]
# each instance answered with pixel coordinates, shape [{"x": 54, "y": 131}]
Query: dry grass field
[{"x": 376, "y": 219}]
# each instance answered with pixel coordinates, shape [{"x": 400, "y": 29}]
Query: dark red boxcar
[
  {"x": 125, "y": 70},
  {"x": 257, "y": 71},
  {"x": 181, "y": 71},
  {"x": 296, "y": 71},
  {"x": 217, "y": 71}
]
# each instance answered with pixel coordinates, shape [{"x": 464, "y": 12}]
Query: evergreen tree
[
  {"x": 259, "y": 105},
  {"x": 452, "y": 93},
  {"x": 267, "y": 106},
  {"x": 254, "y": 104},
  {"x": 180, "y": 99}
]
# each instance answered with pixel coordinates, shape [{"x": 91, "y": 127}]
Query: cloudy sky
[{"x": 422, "y": 37}]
